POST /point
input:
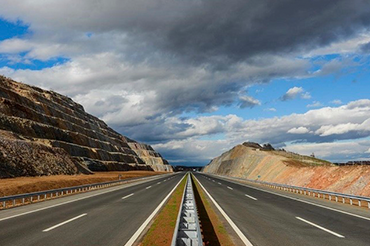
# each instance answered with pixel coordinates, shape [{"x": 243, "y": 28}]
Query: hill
[
  {"x": 254, "y": 162},
  {"x": 45, "y": 133}
]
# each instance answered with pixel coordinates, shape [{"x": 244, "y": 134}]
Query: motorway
[
  {"x": 105, "y": 217},
  {"x": 268, "y": 219}
]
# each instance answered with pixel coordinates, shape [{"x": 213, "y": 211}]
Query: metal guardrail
[
  {"x": 332, "y": 196},
  {"x": 187, "y": 231},
  {"x": 21, "y": 199}
]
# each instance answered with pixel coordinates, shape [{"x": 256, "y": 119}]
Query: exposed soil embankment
[
  {"x": 21, "y": 185},
  {"x": 287, "y": 168},
  {"x": 45, "y": 133}
]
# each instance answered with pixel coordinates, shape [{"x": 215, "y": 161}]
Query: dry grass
[
  {"x": 161, "y": 231},
  {"x": 13, "y": 186},
  {"x": 301, "y": 160}
]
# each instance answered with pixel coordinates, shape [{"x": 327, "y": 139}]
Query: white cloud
[
  {"x": 336, "y": 102},
  {"x": 299, "y": 130},
  {"x": 295, "y": 92},
  {"x": 270, "y": 109},
  {"x": 315, "y": 104},
  {"x": 336, "y": 151},
  {"x": 342, "y": 47},
  {"x": 248, "y": 102},
  {"x": 328, "y": 130},
  {"x": 316, "y": 127},
  {"x": 15, "y": 45}
]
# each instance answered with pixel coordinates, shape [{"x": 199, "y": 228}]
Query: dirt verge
[
  {"x": 214, "y": 229},
  {"x": 13, "y": 186},
  {"x": 161, "y": 230}
]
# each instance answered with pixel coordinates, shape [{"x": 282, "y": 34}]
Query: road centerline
[
  {"x": 63, "y": 223},
  {"x": 230, "y": 188},
  {"x": 251, "y": 197},
  {"x": 320, "y": 227},
  {"x": 128, "y": 196},
  {"x": 148, "y": 187}
]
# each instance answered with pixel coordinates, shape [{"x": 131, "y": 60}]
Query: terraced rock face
[
  {"x": 61, "y": 137},
  {"x": 251, "y": 162}
]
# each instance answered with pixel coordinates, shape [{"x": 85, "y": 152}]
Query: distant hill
[
  {"x": 45, "y": 133},
  {"x": 253, "y": 161}
]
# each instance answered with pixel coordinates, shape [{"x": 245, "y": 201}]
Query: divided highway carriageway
[
  {"x": 118, "y": 215},
  {"x": 111, "y": 216},
  {"x": 267, "y": 217}
]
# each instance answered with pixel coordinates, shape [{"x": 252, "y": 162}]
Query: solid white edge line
[
  {"x": 63, "y": 223},
  {"x": 127, "y": 196},
  {"x": 320, "y": 227},
  {"x": 148, "y": 187},
  {"x": 134, "y": 237},
  {"x": 296, "y": 199},
  {"x": 236, "y": 229},
  {"x": 78, "y": 199},
  {"x": 230, "y": 188},
  {"x": 251, "y": 197}
]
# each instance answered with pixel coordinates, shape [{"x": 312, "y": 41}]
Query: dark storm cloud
[
  {"x": 223, "y": 32},
  {"x": 365, "y": 48},
  {"x": 216, "y": 32}
]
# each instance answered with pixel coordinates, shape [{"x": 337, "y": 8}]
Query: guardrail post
[
  {"x": 329, "y": 197},
  {"x": 23, "y": 200},
  {"x": 4, "y": 204},
  {"x": 350, "y": 201},
  {"x": 336, "y": 199},
  {"x": 368, "y": 205},
  {"x": 38, "y": 197},
  {"x": 31, "y": 199},
  {"x": 13, "y": 202},
  {"x": 343, "y": 200},
  {"x": 359, "y": 203}
]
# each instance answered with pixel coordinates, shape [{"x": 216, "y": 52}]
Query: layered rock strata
[
  {"x": 33, "y": 119},
  {"x": 251, "y": 162}
]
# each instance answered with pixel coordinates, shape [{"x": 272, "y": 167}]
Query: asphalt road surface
[
  {"x": 268, "y": 219},
  {"x": 104, "y": 217}
]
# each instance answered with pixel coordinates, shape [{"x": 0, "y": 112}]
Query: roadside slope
[
  {"x": 45, "y": 133},
  {"x": 245, "y": 161}
]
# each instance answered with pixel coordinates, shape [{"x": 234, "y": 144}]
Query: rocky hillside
[
  {"x": 45, "y": 133},
  {"x": 252, "y": 161}
]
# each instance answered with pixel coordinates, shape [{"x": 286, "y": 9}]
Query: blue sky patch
[{"x": 11, "y": 30}]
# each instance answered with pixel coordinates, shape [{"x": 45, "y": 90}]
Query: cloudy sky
[{"x": 196, "y": 77}]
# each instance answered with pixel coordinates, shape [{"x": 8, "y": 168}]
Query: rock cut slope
[
  {"x": 251, "y": 161},
  {"x": 45, "y": 133}
]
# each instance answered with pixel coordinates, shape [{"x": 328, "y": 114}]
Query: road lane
[
  {"x": 271, "y": 219},
  {"x": 109, "y": 219}
]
